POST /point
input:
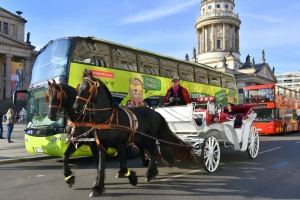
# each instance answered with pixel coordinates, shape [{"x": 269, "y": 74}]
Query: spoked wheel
[
  {"x": 210, "y": 154},
  {"x": 253, "y": 142}
]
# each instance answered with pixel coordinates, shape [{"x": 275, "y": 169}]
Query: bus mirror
[{"x": 15, "y": 95}]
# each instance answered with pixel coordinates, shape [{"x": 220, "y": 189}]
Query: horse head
[
  {"x": 57, "y": 99},
  {"x": 93, "y": 91}
]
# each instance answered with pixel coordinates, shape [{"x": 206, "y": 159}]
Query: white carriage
[{"x": 203, "y": 125}]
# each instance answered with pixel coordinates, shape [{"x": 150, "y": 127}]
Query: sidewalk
[{"x": 16, "y": 152}]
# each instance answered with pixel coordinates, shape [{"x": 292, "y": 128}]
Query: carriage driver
[{"x": 176, "y": 95}]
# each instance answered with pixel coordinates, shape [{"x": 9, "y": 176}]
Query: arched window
[{"x": 218, "y": 6}]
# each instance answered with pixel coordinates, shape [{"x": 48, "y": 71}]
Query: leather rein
[{"x": 108, "y": 125}]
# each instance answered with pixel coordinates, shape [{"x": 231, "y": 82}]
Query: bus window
[
  {"x": 214, "y": 78},
  {"x": 168, "y": 68},
  {"x": 228, "y": 82},
  {"x": 148, "y": 64},
  {"x": 201, "y": 75},
  {"x": 123, "y": 59},
  {"x": 186, "y": 72},
  {"x": 91, "y": 52}
]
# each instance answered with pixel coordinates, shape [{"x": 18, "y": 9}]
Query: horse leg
[
  {"x": 99, "y": 188},
  {"x": 95, "y": 154},
  {"x": 124, "y": 171},
  {"x": 69, "y": 176},
  {"x": 145, "y": 162},
  {"x": 152, "y": 170}
]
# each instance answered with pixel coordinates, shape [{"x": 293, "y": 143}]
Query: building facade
[
  {"x": 289, "y": 80},
  {"x": 16, "y": 55},
  {"x": 218, "y": 45}
]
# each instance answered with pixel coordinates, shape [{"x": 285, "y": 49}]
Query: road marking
[
  {"x": 269, "y": 150},
  {"x": 179, "y": 175},
  {"x": 280, "y": 165}
]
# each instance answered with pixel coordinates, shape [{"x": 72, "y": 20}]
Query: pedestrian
[
  {"x": 1, "y": 126},
  {"x": 176, "y": 94},
  {"x": 17, "y": 117},
  {"x": 10, "y": 116}
]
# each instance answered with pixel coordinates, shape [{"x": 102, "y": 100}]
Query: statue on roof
[
  {"x": 28, "y": 38},
  {"x": 194, "y": 53},
  {"x": 273, "y": 70},
  {"x": 248, "y": 59},
  {"x": 224, "y": 62},
  {"x": 187, "y": 57}
]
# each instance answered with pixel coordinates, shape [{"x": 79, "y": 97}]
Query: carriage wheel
[
  {"x": 253, "y": 142},
  {"x": 210, "y": 154}
]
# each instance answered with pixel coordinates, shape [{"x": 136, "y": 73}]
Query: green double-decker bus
[{"x": 128, "y": 72}]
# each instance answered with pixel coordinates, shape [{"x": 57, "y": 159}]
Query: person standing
[
  {"x": 1, "y": 126},
  {"x": 10, "y": 116},
  {"x": 176, "y": 95}
]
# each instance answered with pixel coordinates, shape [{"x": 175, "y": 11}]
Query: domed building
[{"x": 218, "y": 45}]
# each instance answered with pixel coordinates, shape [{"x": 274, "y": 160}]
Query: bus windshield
[
  {"x": 52, "y": 62},
  {"x": 37, "y": 113},
  {"x": 265, "y": 115},
  {"x": 259, "y": 95}
]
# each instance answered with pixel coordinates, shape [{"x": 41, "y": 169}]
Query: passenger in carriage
[
  {"x": 176, "y": 95},
  {"x": 230, "y": 111}
]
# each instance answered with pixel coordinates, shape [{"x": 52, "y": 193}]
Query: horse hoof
[
  {"x": 71, "y": 181},
  {"x": 120, "y": 175},
  {"x": 95, "y": 183},
  {"x": 133, "y": 179},
  {"x": 148, "y": 179},
  {"x": 94, "y": 194}
]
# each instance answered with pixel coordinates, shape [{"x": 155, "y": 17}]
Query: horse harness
[{"x": 107, "y": 125}]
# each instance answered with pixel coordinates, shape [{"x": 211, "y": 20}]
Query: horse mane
[{"x": 101, "y": 83}]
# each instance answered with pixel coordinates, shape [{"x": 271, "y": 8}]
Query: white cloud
[{"x": 150, "y": 15}]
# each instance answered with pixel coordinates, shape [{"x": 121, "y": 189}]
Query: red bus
[{"x": 277, "y": 108}]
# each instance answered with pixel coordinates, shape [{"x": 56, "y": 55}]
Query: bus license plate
[
  {"x": 259, "y": 129},
  {"x": 39, "y": 150}
]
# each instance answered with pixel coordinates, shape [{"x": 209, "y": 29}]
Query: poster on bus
[{"x": 17, "y": 77}]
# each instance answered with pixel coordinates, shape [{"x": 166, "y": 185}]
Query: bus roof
[
  {"x": 143, "y": 51},
  {"x": 251, "y": 87}
]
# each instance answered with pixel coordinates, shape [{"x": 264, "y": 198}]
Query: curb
[{"x": 24, "y": 159}]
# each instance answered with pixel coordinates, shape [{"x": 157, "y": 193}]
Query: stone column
[
  {"x": 27, "y": 74},
  {"x": 205, "y": 39},
  {"x": 213, "y": 36},
  {"x": 8, "y": 93},
  {"x": 224, "y": 36},
  {"x": 237, "y": 43},
  {"x": 198, "y": 40}
]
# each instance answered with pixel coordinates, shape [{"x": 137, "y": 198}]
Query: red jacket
[{"x": 184, "y": 92}]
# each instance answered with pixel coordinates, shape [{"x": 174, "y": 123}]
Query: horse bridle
[
  {"x": 59, "y": 93},
  {"x": 93, "y": 88}
]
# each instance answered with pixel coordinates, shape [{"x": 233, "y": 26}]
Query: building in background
[
  {"x": 218, "y": 45},
  {"x": 289, "y": 80},
  {"x": 16, "y": 56}
]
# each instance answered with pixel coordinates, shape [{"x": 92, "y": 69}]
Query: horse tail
[
  {"x": 165, "y": 134},
  {"x": 170, "y": 152}
]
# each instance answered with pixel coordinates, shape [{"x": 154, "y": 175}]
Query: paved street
[
  {"x": 15, "y": 152},
  {"x": 274, "y": 174}
]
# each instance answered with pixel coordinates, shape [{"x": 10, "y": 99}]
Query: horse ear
[
  {"x": 53, "y": 81},
  {"x": 87, "y": 72},
  {"x": 49, "y": 83}
]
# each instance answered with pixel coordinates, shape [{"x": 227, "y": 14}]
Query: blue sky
[{"x": 165, "y": 26}]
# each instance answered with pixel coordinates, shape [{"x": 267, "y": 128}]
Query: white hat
[{"x": 175, "y": 78}]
